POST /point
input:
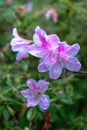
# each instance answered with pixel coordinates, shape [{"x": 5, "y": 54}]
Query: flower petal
[
  {"x": 42, "y": 67},
  {"x": 18, "y": 43},
  {"x": 44, "y": 102},
  {"x": 56, "y": 70},
  {"x": 19, "y": 47},
  {"x": 72, "y": 63},
  {"x": 21, "y": 55},
  {"x": 39, "y": 36},
  {"x": 40, "y": 31},
  {"x": 46, "y": 62},
  {"x": 26, "y": 93},
  {"x": 53, "y": 39},
  {"x": 15, "y": 32},
  {"x": 37, "y": 51},
  {"x": 62, "y": 47},
  {"x": 32, "y": 102},
  {"x": 73, "y": 50},
  {"x": 42, "y": 85},
  {"x": 31, "y": 83}
]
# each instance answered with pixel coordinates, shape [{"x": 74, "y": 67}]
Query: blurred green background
[{"x": 67, "y": 111}]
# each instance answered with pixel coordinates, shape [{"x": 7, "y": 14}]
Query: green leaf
[
  {"x": 67, "y": 100},
  {"x": 5, "y": 114},
  {"x": 31, "y": 113},
  {"x": 10, "y": 110},
  {"x": 69, "y": 88}
]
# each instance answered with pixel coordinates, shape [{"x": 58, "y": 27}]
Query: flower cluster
[{"x": 54, "y": 56}]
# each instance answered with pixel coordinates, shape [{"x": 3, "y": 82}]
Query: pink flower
[
  {"x": 55, "y": 55},
  {"x": 8, "y": 2},
  {"x": 65, "y": 58},
  {"x": 61, "y": 92},
  {"x": 51, "y": 13},
  {"x": 35, "y": 94},
  {"x": 28, "y": 6},
  {"x": 20, "y": 45},
  {"x": 44, "y": 47}
]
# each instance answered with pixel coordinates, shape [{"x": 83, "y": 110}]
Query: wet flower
[
  {"x": 54, "y": 54},
  {"x": 51, "y": 13},
  {"x": 35, "y": 94},
  {"x": 20, "y": 45}
]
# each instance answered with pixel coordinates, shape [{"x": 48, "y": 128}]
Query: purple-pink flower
[
  {"x": 61, "y": 92},
  {"x": 35, "y": 94},
  {"x": 65, "y": 58},
  {"x": 54, "y": 54},
  {"x": 20, "y": 45},
  {"x": 44, "y": 47},
  {"x": 28, "y": 6},
  {"x": 51, "y": 13}
]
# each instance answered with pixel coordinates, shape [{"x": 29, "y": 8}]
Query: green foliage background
[{"x": 68, "y": 111}]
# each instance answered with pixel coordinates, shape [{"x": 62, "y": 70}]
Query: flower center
[
  {"x": 61, "y": 48},
  {"x": 38, "y": 93}
]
